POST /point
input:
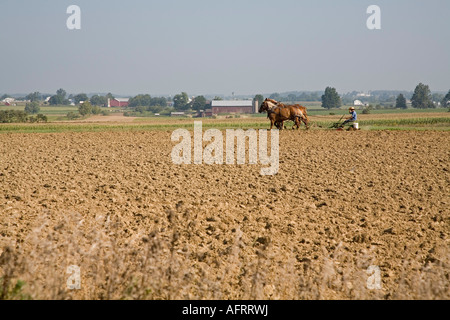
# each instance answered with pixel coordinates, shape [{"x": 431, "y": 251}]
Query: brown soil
[{"x": 141, "y": 227}]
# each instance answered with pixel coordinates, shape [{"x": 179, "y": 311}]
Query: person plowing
[{"x": 350, "y": 120}]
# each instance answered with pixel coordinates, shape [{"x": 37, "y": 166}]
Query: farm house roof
[{"x": 232, "y": 103}]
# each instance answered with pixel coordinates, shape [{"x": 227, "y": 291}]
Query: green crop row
[
  {"x": 439, "y": 123},
  {"x": 394, "y": 122}
]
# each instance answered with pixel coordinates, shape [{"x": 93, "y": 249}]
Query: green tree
[
  {"x": 80, "y": 97},
  {"x": 98, "y": 100},
  {"x": 62, "y": 93},
  {"x": 446, "y": 101},
  {"x": 368, "y": 109},
  {"x": 13, "y": 116},
  {"x": 181, "y": 101},
  {"x": 422, "y": 97},
  {"x": 59, "y": 98},
  {"x": 259, "y": 98},
  {"x": 141, "y": 100},
  {"x": 217, "y": 98},
  {"x": 35, "y": 96},
  {"x": 140, "y": 109},
  {"x": 401, "y": 102},
  {"x": 72, "y": 115},
  {"x": 331, "y": 99},
  {"x": 155, "y": 109},
  {"x": 96, "y": 110},
  {"x": 159, "y": 101},
  {"x": 32, "y": 107},
  {"x": 199, "y": 103},
  {"x": 85, "y": 108},
  {"x": 41, "y": 118},
  {"x": 110, "y": 96},
  {"x": 56, "y": 100}
]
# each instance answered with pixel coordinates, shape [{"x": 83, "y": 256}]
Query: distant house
[
  {"x": 233, "y": 106},
  {"x": 359, "y": 103},
  {"x": 8, "y": 101},
  {"x": 118, "y": 102},
  {"x": 177, "y": 114}
]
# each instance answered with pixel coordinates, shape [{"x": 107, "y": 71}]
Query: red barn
[
  {"x": 118, "y": 102},
  {"x": 234, "y": 106}
]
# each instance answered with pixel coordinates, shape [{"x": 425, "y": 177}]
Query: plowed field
[{"x": 342, "y": 206}]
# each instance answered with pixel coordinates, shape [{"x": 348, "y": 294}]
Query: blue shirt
[{"x": 354, "y": 116}]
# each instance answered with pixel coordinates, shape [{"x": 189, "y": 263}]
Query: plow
[{"x": 338, "y": 125}]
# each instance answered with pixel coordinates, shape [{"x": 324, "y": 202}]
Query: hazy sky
[{"x": 219, "y": 47}]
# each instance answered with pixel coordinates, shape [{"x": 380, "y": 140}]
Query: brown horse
[
  {"x": 302, "y": 109},
  {"x": 278, "y": 113},
  {"x": 269, "y": 105},
  {"x": 305, "y": 118}
]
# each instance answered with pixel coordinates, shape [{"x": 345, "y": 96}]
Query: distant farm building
[
  {"x": 233, "y": 106},
  {"x": 177, "y": 114},
  {"x": 9, "y": 101},
  {"x": 118, "y": 102},
  {"x": 205, "y": 113},
  {"x": 359, "y": 103}
]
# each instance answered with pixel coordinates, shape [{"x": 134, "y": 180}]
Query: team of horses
[{"x": 278, "y": 113}]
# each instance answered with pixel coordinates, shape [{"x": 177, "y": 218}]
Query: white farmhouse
[
  {"x": 8, "y": 100},
  {"x": 358, "y": 103}
]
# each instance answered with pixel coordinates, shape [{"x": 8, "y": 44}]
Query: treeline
[
  {"x": 86, "y": 109},
  {"x": 421, "y": 98},
  {"x": 145, "y": 102},
  {"x": 17, "y": 116},
  {"x": 60, "y": 99},
  {"x": 180, "y": 102}
]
